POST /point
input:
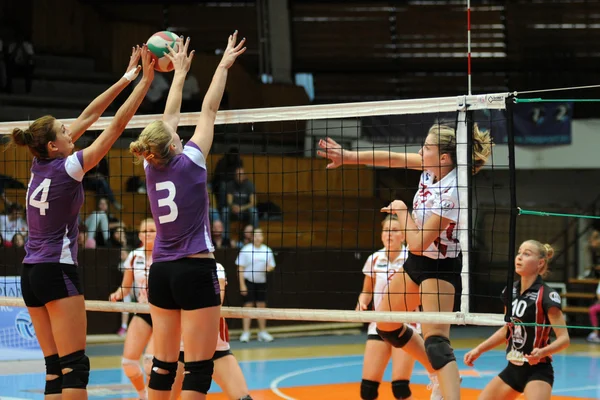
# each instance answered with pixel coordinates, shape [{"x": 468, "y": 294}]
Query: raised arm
[
  {"x": 182, "y": 62},
  {"x": 101, "y": 103},
  {"x": 205, "y": 129},
  {"x": 94, "y": 153},
  {"x": 378, "y": 158}
]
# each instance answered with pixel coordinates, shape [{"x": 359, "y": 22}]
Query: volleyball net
[{"x": 321, "y": 224}]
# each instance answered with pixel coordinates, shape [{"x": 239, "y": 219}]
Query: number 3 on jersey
[
  {"x": 42, "y": 203},
  {"x": 168, "y": 201}
]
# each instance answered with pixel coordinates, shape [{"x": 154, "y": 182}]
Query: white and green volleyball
[{"x": 158, "y": 44}]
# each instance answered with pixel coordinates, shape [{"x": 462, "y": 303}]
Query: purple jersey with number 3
[
  {"x": 179, "y": 204},
  {"x": 54, "y": 197}
]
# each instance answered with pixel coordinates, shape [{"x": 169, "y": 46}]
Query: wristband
[{"x": 130, "y": 75}]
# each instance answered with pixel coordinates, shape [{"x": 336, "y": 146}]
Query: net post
[
  {"x": 462, "y": 156},
  {"x": 514, "y": 211}
]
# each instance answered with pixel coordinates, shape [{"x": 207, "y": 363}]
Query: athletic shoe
[
  {"x": 264, "y": 336},
  {"x": 434, "y": 386},
  {"x": 122, "y": 332},
  {"x": 593, "y": 338},
  {"x": 245, "y": 337}
]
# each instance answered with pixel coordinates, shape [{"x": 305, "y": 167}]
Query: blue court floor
[{"x": 302, "y": 363}]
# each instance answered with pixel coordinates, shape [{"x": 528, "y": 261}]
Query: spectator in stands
[
  {"x": 191, "y": 96},
  {"x": 18, "y": 241},
  {"x": 247, "y": 236},
  {"x": 594, "y": 336},
  {"x": 8, "y": 182},
  {"x": 594, "y": 246},
  {"x": 224, "y": 173},
  {"x": 241, "y": 201},
  {"x": 100, "y": 221},
  {"x": 157, "y": 94},
  {"x": 217, "y": 236},
  {"x": 97, "y": 179},
  {"x": 20, "y": 62},
  {"x": 254, "y": 262},
  {"x": 13, "y": 223}
]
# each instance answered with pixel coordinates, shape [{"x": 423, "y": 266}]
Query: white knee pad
[
  {"x": 131, "y": 368},
  {"x": 147, "y": 360}
]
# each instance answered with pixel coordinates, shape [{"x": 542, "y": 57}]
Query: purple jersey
[
  {"x": 179, "y": 204},
  {"x": 54, "y": 197}
]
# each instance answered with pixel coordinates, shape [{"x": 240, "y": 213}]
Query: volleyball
[
  {"x": 24, "y": 325},
  {"x": 158, "y": 45}
]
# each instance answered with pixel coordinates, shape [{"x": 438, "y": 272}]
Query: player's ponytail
[
  {"x": 482, "y": 148},
  {"x": 36, "y": 137},
  {"x": 546, "y": 252},
  {"x": 153, "y": 144}
]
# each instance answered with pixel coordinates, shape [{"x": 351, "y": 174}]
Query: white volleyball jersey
[
  {"x": 381, "y": 270},
  {"x": 223, "y": 339},
  {"x": 440, "y": 198},
  {"x": 140, "y": 265}
]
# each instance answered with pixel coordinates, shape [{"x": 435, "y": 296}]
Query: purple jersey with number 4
[
  {"x": 179, "y": 204},
  {"x": 54, "y": 197}
]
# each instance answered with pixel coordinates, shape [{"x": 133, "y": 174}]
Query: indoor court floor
[{"x": 315, "y": 367}]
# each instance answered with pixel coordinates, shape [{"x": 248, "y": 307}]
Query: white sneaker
[
  {"x": 245, "y": 337},
  {"x": 434, "y": 386},
  {"x": 264, "y": 336},
  {"x": 593, "y": 338}
]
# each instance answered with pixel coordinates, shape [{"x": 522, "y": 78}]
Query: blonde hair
[
  {"x": 147, "y": 221},
  {"x": 546, "y": 251},
  {"x": 153, "y": 144},
  {"x": 445, "y": 137}
]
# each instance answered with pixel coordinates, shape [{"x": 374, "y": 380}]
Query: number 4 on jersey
[{"x": 42, "y": 203}]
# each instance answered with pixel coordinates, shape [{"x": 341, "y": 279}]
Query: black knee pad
[
  {"x": 161, "y": 381},
  {"x": 439, "y": 351},
  {"x": 79, "y": 364},
  {"x": 198, "y": 376},
  {"x": 369, "y": 390},
  {"x": 401, "y": 389},
  {"x": 247, "y": 397},
  {"x": 396, "y": 338},
  {"x": 53, "y": 386}
]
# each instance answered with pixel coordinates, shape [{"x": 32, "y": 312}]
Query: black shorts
[
  {"x": 218, "y": 354},
  {"x": 375, "y": 337},
  {"x": 184, "y": 284},
  {"x": 46, "y": 282},
  {"x": 257, "y": 292},
  {"x": 421, "y": 268},
  {"x": 517, "y": 377},
  {"x": 146, "y": 317}
]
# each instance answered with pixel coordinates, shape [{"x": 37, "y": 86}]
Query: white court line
[
  {"x": 578, "y": 389},
  {"x": 275, "y": 382}
]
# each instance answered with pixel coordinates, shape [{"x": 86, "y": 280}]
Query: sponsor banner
[{"x": 17, "y": 336}]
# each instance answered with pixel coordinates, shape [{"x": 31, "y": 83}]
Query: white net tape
[
  {"x": 457, "y": 318},
  {"x": 301, "y": 113}
]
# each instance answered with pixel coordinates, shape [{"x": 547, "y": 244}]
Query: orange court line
[{"x": 345, "y": 391}]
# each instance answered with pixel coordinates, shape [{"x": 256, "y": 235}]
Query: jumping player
[
  {"x": 183, "y": 289},
  {"x": 50, "y": 280}
]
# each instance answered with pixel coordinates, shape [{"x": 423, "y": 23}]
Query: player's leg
[
  {"x": 43, "y": 331},
  {"x": 538, "y": 390},
  {"x": 402, "y": 368},
  {"x": 137, "y": 338},
  {"x": 498, "y": 389},
  {"x": 402, "y": 295},
  {"x": 229, "y": 376},
  {"x": 166, "y": 329},
  {"x": 377, "y": 355},
  {"x": 438, "y": 295}
]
